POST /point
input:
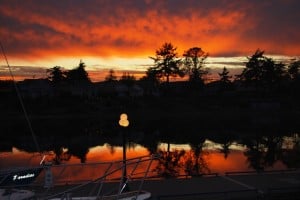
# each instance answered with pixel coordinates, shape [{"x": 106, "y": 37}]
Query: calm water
[{"x": 207, "y": 156}]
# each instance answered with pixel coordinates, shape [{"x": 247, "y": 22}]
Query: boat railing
[{"x": 123, "y": 172}]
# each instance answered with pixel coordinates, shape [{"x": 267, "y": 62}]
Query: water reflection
[
  {"x": 263, "y": 151},
  {"x": 61, "y": 155},
  {"x": 169, "y": 163},
  {"x": 196, "y": 164},
  {"x": 291, "y": 151},
  {"x": 198, "y": 156},
  {"x": 225, "y": 140}
]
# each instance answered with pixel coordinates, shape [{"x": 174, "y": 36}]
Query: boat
[
  {"x": 19, "y": 176},
  {"x": 16, "y": 194},
  {"x": 11, "y": 180}
]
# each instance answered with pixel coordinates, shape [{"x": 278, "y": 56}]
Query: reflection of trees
[
  {"x": 273, "y": 153},
  {"x": 195, "y": 162},
  {"x": 291, "y": 155},
  {"x": 263, "y": 151},
  {"x": 254, "y": 156},
  {"x": 150, "y": 141},
  {"x": 60, "y": 155},
  {"x": 152, "y": 146},
  {"x": 225, "y": 148},
  {"x": 169, "y": 163},
  {"x": 79, "y": 152},
  {"x": 226, "y": 140},
  {"x": 112, "y": 149}
]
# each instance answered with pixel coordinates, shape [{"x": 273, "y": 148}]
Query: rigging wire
[{"x": 20, "y": 100}]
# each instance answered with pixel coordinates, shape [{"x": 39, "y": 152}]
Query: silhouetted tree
[
  {"x": 294, "y": 70},
  {"x": 111, "y": 76},
  {"x": 272, "y": 73},
  {"x": 150, "y": 82},
  {"x": 166, "y": 63},
  {"x": 151, "y": 76},
  {"x": 224, "y": 79},
  {"x": 252, "y": 73},
  {"x": 78, "y": 74},
  {"x": 262, "y": 71},
  {"x": 194, "y": 65},
  {"x": 56, "y": 74},
  {"x": 294, "y": 75},
  {"x": 127, "y": 78},
  {"x": 280, "y": 73}
]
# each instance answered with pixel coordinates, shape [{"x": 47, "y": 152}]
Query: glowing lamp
[
  {"x": 123, "y": 120},
  {"x": 123, "y": 116}
]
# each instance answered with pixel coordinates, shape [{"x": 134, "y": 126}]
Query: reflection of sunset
[
  {"x": 108, "y": 153},
  {"x": 183, "y": 158},
  {"x": 236, "y": 161},
  {"x": 18, "y": 158}
]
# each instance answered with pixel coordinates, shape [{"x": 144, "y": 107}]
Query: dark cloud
[
  {"x": 228, "y": 63},
  {"x": 22, "y": 72},
  {"x": 276, "y": 21}
]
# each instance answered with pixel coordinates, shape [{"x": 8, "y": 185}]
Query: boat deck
[{"x": 267, "y": 185}]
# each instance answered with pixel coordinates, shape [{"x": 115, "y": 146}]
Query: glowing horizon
[{"x": 98, "y": 68}]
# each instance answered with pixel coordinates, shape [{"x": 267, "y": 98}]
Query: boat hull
[{"x": 16, "y": 194}]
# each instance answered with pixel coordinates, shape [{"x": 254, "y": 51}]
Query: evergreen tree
[
  {"x": 194, "y": 65},
  {"x": 111, "y": 76},
  {"x": 56, "y": 75},
  {"x": 127, "y": 78},
  {"x": 294, "y": 70},
  {"x": 224, "y": 79},
  {"x": 78, "y": 74},
  {"x": 166, "y": 63},
  {"x": 262, "y": 71}
]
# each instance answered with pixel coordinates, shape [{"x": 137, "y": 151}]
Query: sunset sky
[{"x": 122, "y": 34}]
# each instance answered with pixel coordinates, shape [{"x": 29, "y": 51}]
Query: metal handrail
[{"x": 108, "y": 172}]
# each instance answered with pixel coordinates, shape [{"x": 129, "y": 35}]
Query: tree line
[
  {"x": 57, "y": 75},
  {"x": 259, "y": 71}
]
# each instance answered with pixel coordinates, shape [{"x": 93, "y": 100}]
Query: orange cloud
[{"x": 35, "y": 31}]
